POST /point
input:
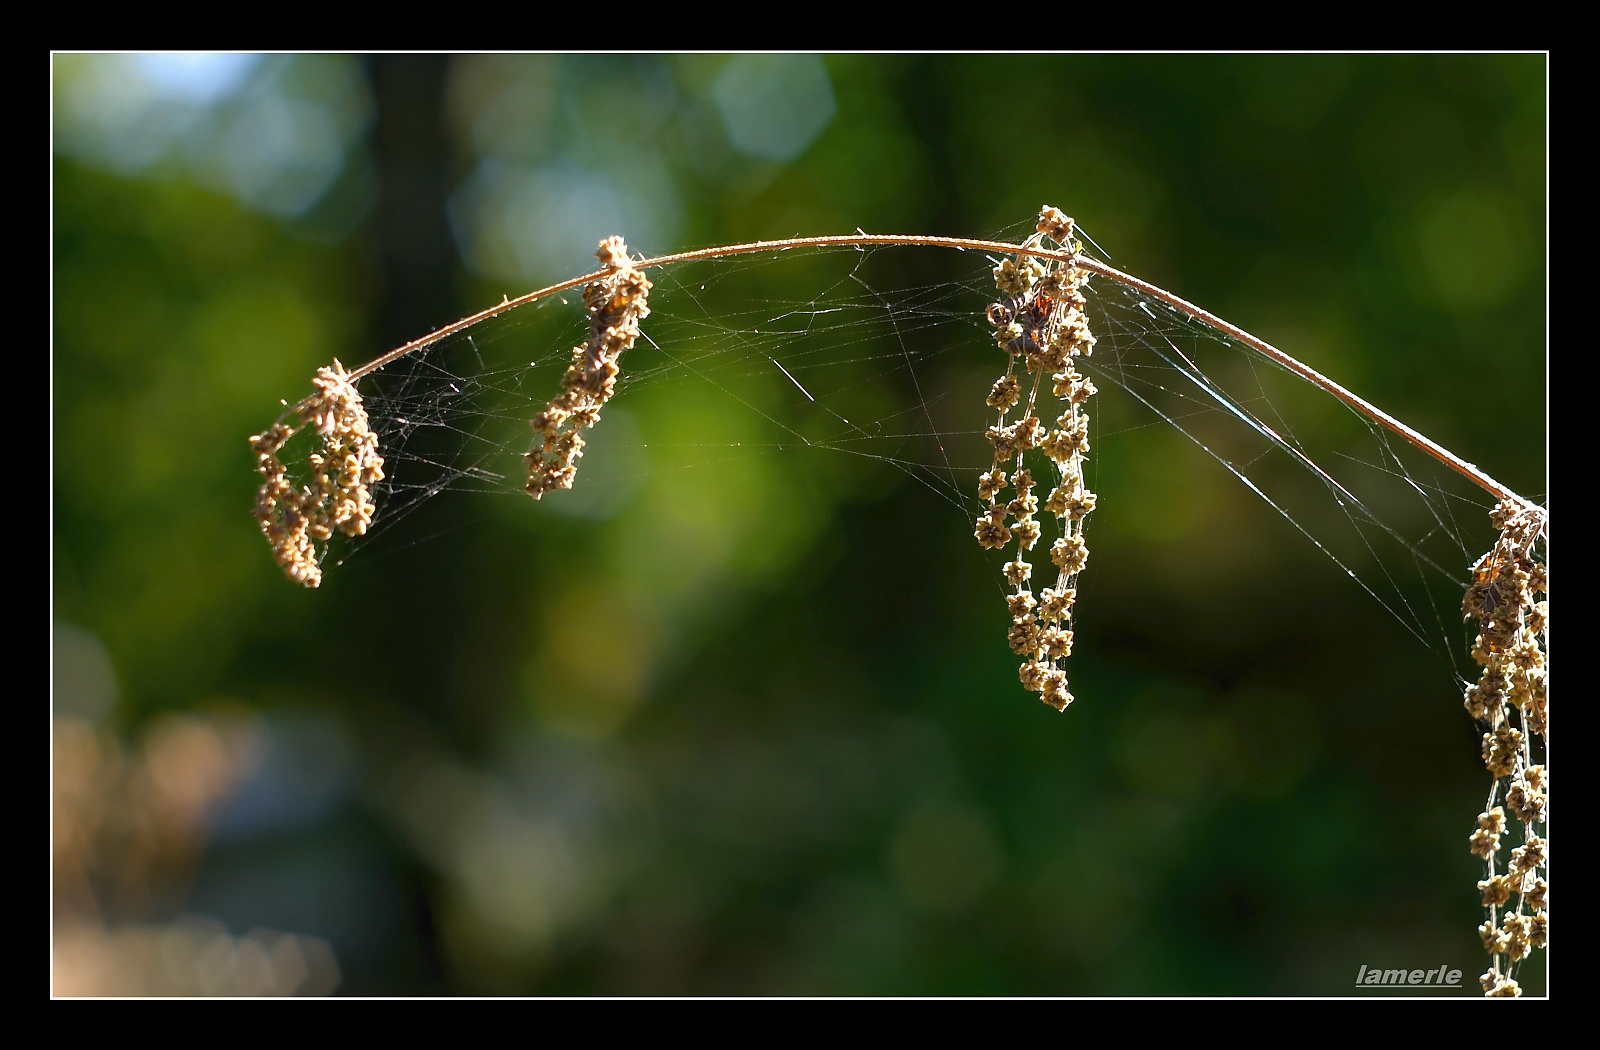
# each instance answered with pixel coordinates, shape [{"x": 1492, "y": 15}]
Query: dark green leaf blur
[{"x": 756, "y": 730}]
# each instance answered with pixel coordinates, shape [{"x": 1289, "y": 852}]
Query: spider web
[{"x": 881, "y": 357}]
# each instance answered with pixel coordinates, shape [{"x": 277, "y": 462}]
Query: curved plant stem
[{"x": 859, "y": 239}]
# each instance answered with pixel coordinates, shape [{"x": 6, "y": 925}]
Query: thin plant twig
[{"x": 1365, "y": 408}]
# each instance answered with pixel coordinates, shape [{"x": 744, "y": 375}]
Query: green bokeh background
[{"x": 758, "y": 732}]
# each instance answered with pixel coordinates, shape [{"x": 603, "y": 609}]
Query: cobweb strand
[{"x": 822, "y": 346}]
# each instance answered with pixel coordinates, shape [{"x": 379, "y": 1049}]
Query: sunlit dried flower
[
  {"x": 1053, "y": 691},
  {"x": 1027, "y": 532},
  {"x": 1042, "y": 326},
  {"x": 1491, "y": 825},
  {"x": 1022, "y": 605},
  {"x": 991, "y": 531},
  {"x": 1016, "y": 277},
  {"x": 990, "y": 483},
  {"x": 617, "y": 301},
  {"x": 1070, "y": 553},
  {"x": 1008, "y": 335},
  {"x": 338, "y": 497},
  {"x": 1501, "y": 750},
  {"x": 1004, "y": 393},
  {"x": 1516, "y": 930},
  {"x": 1511, "y": 697},
  {"x": 1023, "y": 637},
  {"x": 1496, "y": 890},
  {"x": 1055, "y": 603},
  {"x": 1004, "y": 440},
  {"x": 1529, "y": 856},
  {"x": 1483, "y": 843},
  {"x": 1539, "y": 929},
  {"x": 1032, "y": 676},
  {"x": 1503, "y": 988},
  {"x": 1025, "y": 505},
  {"x": 1056, "y": 642},
  {"x": 1525, "y": 801},
  {"x": 1056, "y": 225}
]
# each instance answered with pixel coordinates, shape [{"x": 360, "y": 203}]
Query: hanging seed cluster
[
  {"x": 1040, "y": 325},
  {"x": 1509, "y": 597},
  {"x": 339, "y": 495},
  {"x": 617, "y": 300}
]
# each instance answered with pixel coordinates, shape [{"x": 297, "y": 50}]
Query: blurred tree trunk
[{"x": 410, "y": 226}]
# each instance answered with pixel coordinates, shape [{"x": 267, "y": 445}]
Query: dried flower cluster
[
  {"x": 617, "y": 301},
  {"x": 339, "y": 495},
  {"x": 1512, "y": 701},
  {"x": 1040, "y": 322}
]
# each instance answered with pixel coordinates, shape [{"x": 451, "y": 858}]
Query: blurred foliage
[{"x": 759, "y": 732}]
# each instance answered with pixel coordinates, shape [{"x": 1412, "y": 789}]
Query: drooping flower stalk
[
  {"x": 1041, "y": 324},
  {"x": 339, "y": 495},
  {"x": 1511, "y": 700},
  {"x": 617, "y": 301}
]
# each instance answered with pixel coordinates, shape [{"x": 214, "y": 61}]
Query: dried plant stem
[
  {"x": 1040, "y": 322},
  {"x": 860, "y": 239}
]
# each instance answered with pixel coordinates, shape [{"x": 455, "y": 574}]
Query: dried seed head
[
  {"x": 1023, "y": 506},
  {"x": 1004, "y": 440},
  {"x": 1491, "y": 825},
  {"x": 1027, "y": 533},
  {"x": 1021, "y": 605},
  {"x": 1053, "y": 690},
  {"x": 338, "y": 497},
  {"x": 991, "y": 530},
  {"x": 1032, "y": 675},
  {"x": 1483, "y": 844},
  {"x": 1070, "y": 554},
  {"x": 1526, "y": 801},
  {"x": 1055, "y": 603},
  {"x": 1539, "y": 928},
  {"x": 1491, "y": 938},
  {"x": 1016, "y": 277},
  {"x": 1065, "y": 502},
  {"x": 1527, "y": 857},
  {"x": 616, "y": 300},
  {"x": 1486, "y": 700},
  {"x": 1023, "y": 637},
  {"x": 1076, "y": 389},
  {"x": 1004, "y": 393},
  {"x": 1511, "y": 696},
  {"x": 1515, "y": 930},
  {"x": 1502, "y": 987},
  {"x": 1496, "y": 890},
  {"x": 1501, "y": 750},
  {"x": 1042, "y": 323},
  {"x": 1056, "y": 642},
  {"x": 1056, "y": 225}
]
